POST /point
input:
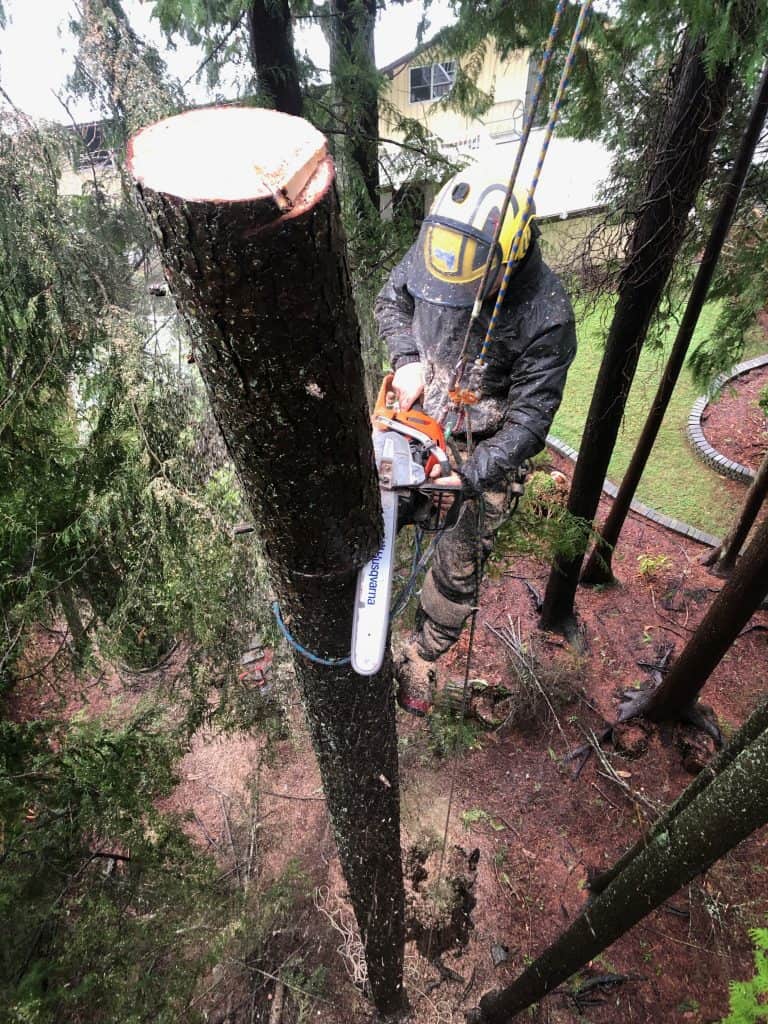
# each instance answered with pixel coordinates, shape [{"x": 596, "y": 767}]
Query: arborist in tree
[{"x": 422, "y": 313}]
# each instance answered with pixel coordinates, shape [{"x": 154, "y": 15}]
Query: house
[
  {"x": 93, "y": 160},
  {"x": 416, "y": 89}
]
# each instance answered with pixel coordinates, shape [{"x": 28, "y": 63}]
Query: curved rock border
[
  {"x": 668, "y": 522},
  {"x": 725, "y": 466}
]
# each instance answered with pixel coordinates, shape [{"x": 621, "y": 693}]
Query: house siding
[{"x": 506, "y": 79}]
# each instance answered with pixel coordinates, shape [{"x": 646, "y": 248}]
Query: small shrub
[
  {"x": 542, "y": 526},
  {"x": 650, "y": 567},
  {"x": 451, "y": 733},
  {"x": 476, "y": 817}
]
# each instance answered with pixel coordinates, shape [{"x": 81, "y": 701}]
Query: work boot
[{"x": 415, "y": 676}]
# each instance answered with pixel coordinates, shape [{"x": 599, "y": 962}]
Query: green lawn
[{"x": 675, "y": 481}]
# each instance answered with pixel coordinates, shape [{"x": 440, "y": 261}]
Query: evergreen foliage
[
  {"x": 118, "y": 70},
  {"x": 101, "y": 895},
  {"x": 116, "y": 510},
  {"x": 218, "y": 26},
  {"x": 748, "y": 998},
  {"x": 118, "y": 492}
]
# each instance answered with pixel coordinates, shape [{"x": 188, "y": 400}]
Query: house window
[
  {"x": 432, "y": 81},
  {"x": 95, "y": 153}
]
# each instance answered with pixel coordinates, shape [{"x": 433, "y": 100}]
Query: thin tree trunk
[
  {"x": 256, "y": 264},
  {"x": 682, "y": 155},
  {"x": 356, "y": 96},
  {"x": 273, "y": 55},
  {"x": 68, "y": 604},
  {"x": 754, "y": 725},
  {"x": 723, "y": 558},
  {"x": 733, "y": 806},
  {"x": 598, "y": 568},
  {"x": 730, "y": 611}
]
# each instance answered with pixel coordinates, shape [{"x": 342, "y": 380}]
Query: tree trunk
[
  {"x": 678, "y": 168},
  {"x": 727, "y": 811},
  {"x": 355, "y": 92},
  {"x": 730, "y": 611},
  {"x": 598, "y": 567},
  {"x": 754, "y": 725},
  {"x": 72, "y": 615},
  {"x": 273, "y": 55},
  {"x": 723, "y": 558},
  {"x": 254, "y": 254}
]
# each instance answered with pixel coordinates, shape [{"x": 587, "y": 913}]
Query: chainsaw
[{"x": 407, "y": 446}]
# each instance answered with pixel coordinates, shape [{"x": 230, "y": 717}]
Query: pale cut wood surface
[{"x": 228, "y": 154}]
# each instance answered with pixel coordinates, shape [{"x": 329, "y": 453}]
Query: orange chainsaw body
[{"x": 385, "y": 414}]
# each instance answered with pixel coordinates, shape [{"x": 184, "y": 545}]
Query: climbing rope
[
  {"x": 467, "y": 396},
  {"x": 465, "y": 687},
  {"x": 481, "y": 360},
  {"x": 527, "y": 126},
  {"x": 554, "y": 115}
]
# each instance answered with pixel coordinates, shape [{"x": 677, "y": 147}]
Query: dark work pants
[{"x": 450, "y": 586}]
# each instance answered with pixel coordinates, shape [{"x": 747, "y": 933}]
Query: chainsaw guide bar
[{"x": 370, "y": 625}]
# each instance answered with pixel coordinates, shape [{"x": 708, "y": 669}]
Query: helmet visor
[{"x": 448, "y": 262}]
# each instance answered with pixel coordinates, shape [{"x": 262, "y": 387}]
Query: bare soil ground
[
  {"x": 735, "y": 425},
  {"x": 514, "y": 798}
]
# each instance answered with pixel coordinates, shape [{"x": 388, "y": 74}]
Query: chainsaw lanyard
[{"x": 329, "y": 662}]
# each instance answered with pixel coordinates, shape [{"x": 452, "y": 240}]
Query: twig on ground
[
  {"x": 538, "y": 601},
  {"x": 255, "y": 824},
  {"x": 274, "y": 977},
  {"x": 228, "y": 831},
  {"x": 276, "y": 1012},
  {"x": 605, "y": 796},
  {"x": 470, "y": 983},
  {"x": 609, "y": 772},
  {"x": 511, "y": 637},
  {"x": 291, "y": 796}
]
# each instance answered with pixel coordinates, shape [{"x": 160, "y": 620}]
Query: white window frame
[{"x": 448, "y": 69}]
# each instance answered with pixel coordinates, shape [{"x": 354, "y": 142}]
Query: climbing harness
[{"x": 461, "y": 396}]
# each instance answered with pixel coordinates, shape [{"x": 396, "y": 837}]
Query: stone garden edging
[
  {"x": 668, "y": 522},
  {"x": 713, "y": 458}
]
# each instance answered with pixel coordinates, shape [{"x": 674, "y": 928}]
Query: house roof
[{"x": 395, "y": 65}]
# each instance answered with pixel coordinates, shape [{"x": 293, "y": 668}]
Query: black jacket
[{"x": 533, "y": 345}]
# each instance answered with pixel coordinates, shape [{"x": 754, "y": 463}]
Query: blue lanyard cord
[{"x": 329, "y": 662}]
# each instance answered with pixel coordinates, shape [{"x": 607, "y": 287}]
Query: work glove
[{"x": 408, "y": 384}]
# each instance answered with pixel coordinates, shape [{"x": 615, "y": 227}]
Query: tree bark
[
  {"x": 730, "y": 611},
  {"x": 598, "y": 568},
  {"x": 273, "y": 55},
  {"x": 754, "y": 725},
  {"x": 68, "y": 603},
  {"x": 682, "y": 153},
  {"x": 253, "y": 251},
  {"x": 727, "y": 811},
  {"x": 723, "y": 558},
  {"x": 356, "y": 95}
]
